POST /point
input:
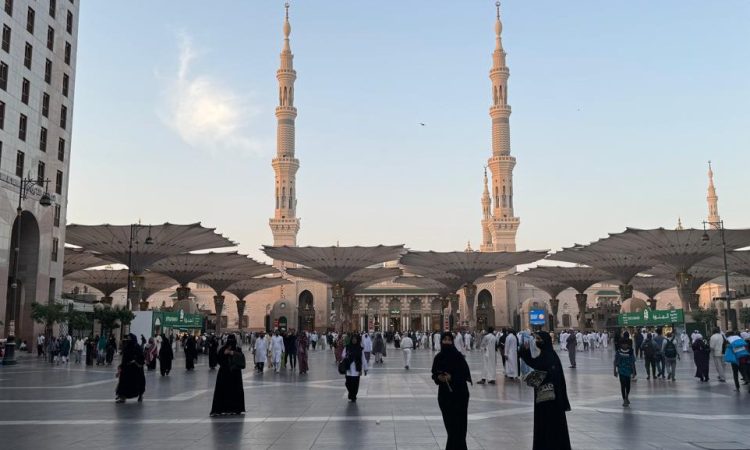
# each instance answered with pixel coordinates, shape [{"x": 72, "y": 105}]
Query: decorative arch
[
  {"x": 306, "y": 311},
  {"x": 485, "y": 310},
  {"x": 18, "y": 301}
]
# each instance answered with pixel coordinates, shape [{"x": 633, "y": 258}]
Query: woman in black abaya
[
  {"x": 550, "y": 396},
  {"x": 229, "y": 397},
  {"x": 132, "y": 382},
  {"x": 191, "y": 352},
  {"x": 213, "y": 345},
  {"x": 451, "y": 373},
  {"x": 166, "y": 355}
]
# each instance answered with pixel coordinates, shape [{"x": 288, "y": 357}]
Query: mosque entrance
[
  {"x": 306, "y": 311},
  {"x": 485, "y": 311},
  {"x": 18, "y": 301}
]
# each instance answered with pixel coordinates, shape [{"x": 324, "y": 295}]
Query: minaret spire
[
  {"x": 713, "y": 200},
  {"x": 486, "y": 245},
  {"x": 504, "y": 223},
  {"x": 285, "y": 224}
]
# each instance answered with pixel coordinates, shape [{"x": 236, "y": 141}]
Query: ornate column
[
  {"x": 219, "y": 307},
  {"x": 581, "y": 301},
  {"x": 652, "y": 303},
  {"x": 554, "y": 303},
  {"x": 107, "y": 300},
  {"x": 453, "y": 322},
  {"x": 686, "y": 291},
  {"x": 470, "y": 292},
  {"x": 337, "y": 292},
  {"x": 626, "y": 291},
  {"x": 241, "y": 311}
]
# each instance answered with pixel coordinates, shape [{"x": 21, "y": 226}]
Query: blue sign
[{"x": 537, "y": 317}]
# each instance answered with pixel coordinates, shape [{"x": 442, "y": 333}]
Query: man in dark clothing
[
  {"x": 290, "y": 347},
  {"x": 638, "y": 343}
]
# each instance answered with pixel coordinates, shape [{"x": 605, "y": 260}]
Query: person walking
[
  {"x": 378, "y": 348},
  {"x": 101, "y": 349},
  {"x": 277, "y": 348},
  {"x": 354, "y": 359},
  {"x": 302, "y": 350},
  {"x": 150, "y": 354},
  {"x": 78, "y": 350},
  {"x": 132, "y": 382},
  {"x": 671, "y": 355},
  {"x": 213, "y": 351},
  {"x": 260, "y": 352},
  {"x": 191, "y": 352},
  {"x": 90, "y": 350},
  {"x": 658, "y": 339},
  {"x": 488, "y": 348},
  {"x": 717, "y": 344},
  {"x": 570, "y": 345},
  {"x": 451, "y": 373},
  {"x": 111, "y": 348},
  {"x": 639, "y": 338},
  {"x": 367, "y": 346},
  {"x": 407, "y": 344},
  {"x": 625, "y": 369},
  {"x": 166, "y": 355},
  {"x": 684, "y": 341},
  {"x": 291, "y": 348},
  {"x": 738, "y": 356},
  {"x": 648, "y": 348},
  {"x": 701, "y": 353},
  {"x": 229, "y": 396},
  {"x": 40, "y": 346},
  {"x": 550, "y": 396}
]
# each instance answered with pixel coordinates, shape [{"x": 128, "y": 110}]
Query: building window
[
  {"x": 22, "y": 121},
  {"x": 19, "y": 163},
  {"x": 69, "y": 23},
  {"x": 55, "y": 245},
  {"x": 40, "y": 173},
  {"x": 43, "y": 139},
  {"x": 45, "y": 104},
  {"x": 59, "y": 182},
  {"x": 51, "y": 38},
  {"x": 25, "y": 88},
  {"x": 3, "y": 76},
  {"x": 66, "y": 83},
  {"x": 68, "y": 50},
  {"x": 30, "y": 20},
  {"x": 52, "y": 7},
  {"x": 48, "y": 71},
  {"x": 6, "y": 38},
  {"x": 9, "y": 7},
  {"x": 63, "y": 116},
  {"x": 56, "y": 217},
  {"x": 27, "y": 55},
  {"x": 61, "y": 149},
  {"x": 2, "y": 115}
]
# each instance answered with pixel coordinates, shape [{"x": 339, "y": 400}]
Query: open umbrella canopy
[
  {"x": 112, "y": 241},
  {"x": 425, "y": 283},
  {"x": 246, "y": 287},
  {"x": 553, "y": 288},
  {"x": 622, "y": 265},
  {"x": 335, "y": 262},
  {"x": 105, "y": 280},
  {"x": 652, "y": 285},
  {"x": 220, "y": 280},
  {"x": 700, "y": 274},
  {"x": 579, "y": 278},
  {"x": 79, "y": 259},
  {"x": 469, "y": 266},
  {"x": 155, "y": 282},
  {"x": 187, "y": 267},
  {"x": 451, "y": 283}
]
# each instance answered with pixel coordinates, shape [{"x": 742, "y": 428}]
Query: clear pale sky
[{"x": 617, "y": 106}]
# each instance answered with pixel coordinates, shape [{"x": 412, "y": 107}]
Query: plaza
[{"x": 73, "y": 406}]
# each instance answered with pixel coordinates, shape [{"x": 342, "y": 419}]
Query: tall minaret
[
  {"x": 713, "y": 200},
  {"x": 486, "y": 245},
  {"x": 285, "y": 224},
  {"x": 504, "y": 223}
]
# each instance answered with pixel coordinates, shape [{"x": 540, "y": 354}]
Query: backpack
[
  {"x": 670, "y": 350},
  {"x": 624, "y": 364},
  {"x": 648, "y": 349}
]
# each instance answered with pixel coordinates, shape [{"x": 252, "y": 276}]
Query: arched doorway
[
  {"x": 372, "y": 316},
  {"x": 306, "y": 311},
  {"x": 283, "y": 323},
  {"x": 485, "y": 310},
  {"x": 436, "y": 319},
  {"x": 394, "y": 312},
  {"x": 19, "y": 299},
  {"x": 415, "y": 314}
]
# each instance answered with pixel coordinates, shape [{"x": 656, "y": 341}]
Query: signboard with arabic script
[
  {"x": 651, "y": 317},
  {"x": 178, "y": 320}
]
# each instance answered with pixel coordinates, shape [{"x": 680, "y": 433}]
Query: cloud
[{"x": 205, "y": 112}]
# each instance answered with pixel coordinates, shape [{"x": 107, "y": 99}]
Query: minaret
[
  {"x": 713, "y": 201},
  {"x": 285, "y": 224},
  {"x": 504, "y": 223},
  {"x": 486, "y": 245}
]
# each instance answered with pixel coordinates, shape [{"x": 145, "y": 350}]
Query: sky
[{"x": 617, "y": 107}]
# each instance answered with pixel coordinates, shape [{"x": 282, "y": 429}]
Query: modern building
[{"x": 37, "y": 88}]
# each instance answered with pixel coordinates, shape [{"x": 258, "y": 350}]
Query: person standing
[
  {"x": 213, "y": 348},
  {"x": 451, "y": 373},
  {"x": 367, "y": 346},
  {"x": 229, "y": 396},
  {"x": 570, "y": 345},
  {"x": 407, "y": 344},
  {"x": 489, "y": 357},
  {"x": 669, "y": 350},
  {"x": 111, "y": 349},
  {"x": 716, "y": 343},
  {"x": 659, "y": 356},
  {"x": 150, "y": 354},
  {"x": 40, "y": 346},
  {"x": 625, "y": 369},
  {"x": 738, "y": 356},
  {"x": 314, "y": 339},
  {"x": 101, "y": 349},
  {"x": 166, "y": 355},
  {"x": 78, "y": 350},
  {"x": 685, "y": 341},
  {"x": 191, "y": 352},
  {"x": 511, "y": 355},
  {"x": 132, "y": 382},
  {"x": 468, "y": 340},
  {"x": 701, "y": 353},
  {"x": 260, "y": 352},
  {"x": 277, "y": 348},
  {"x": 604, "y": 339},
  {"x": 378, "y": 348},
  {"x": 64, "y": 349},
  {"x": 436, "y": 341},
  {"x": 302, "y": 349},
  {"x": 550, "y": 396},
  {"x": 459, "y": 342},
  {"x": 90, "y": 350},
  {"x": 639, "y": 338},
  {"x": 291, "y": 348},
  {"x": 648, "y": 349},
  {"x": 354, "y": 358}
]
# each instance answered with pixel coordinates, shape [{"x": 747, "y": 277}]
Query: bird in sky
[{"x": 422, "y": 123}]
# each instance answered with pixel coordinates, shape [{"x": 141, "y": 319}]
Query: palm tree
[{"x": 48, "y": 315}]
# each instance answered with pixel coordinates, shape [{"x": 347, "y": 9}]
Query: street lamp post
[
  {"x": 720, "y": 226},
  {"x": 134, "y": 229},
  {"x": 45, "y": 200}
]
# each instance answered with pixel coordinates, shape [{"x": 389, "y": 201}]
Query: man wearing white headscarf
[
  {"x": 511, "y": 355},
  {"x": 489, "y": 357},
  {"x": 684, "y": 341},
  {"x": 458, "y": 341},
  {"x": 467, "y": 341}
]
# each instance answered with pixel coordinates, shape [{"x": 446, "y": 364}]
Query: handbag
[
  {"x": 535, "y": 378},
  {"x": 238, "y": 361},
  {"x": 344, "y": 366},
  {"x": 545, "y": 393}
]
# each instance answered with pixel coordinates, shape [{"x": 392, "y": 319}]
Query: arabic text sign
[{"x": 651, "y": 317}]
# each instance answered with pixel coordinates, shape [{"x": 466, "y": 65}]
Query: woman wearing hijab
[
  {"x": 302, "y": 352},
  {"x": 550, "y": 396},
  {"x": 378, "y": 348},
  {"x": 90, "y": 350},
  {"x": 213, "y": 346},
  {"x": 229, "y": 397},
  {"x": 150, "y": 354},
  {"x": 357, "y": 363},
  {"x": 132, "y": 382},
  {"x": 451, "y": 373},
  {"x": 166, "y": 355},
  {"x": 191, "y": 352},
  {"x": 701, "y": 351}
]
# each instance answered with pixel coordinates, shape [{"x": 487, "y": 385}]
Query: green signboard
[
  {"x": 651, "y": 317},
  {"x": 177, "y": 319}
]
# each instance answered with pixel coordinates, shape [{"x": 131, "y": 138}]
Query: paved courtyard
[{"x": 45, "y": 407}]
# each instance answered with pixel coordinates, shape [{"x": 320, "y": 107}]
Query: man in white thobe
[
  {"x": 459, "y": 343},
  {"x": 436, "y": 341},
  {"x": 406, "y": 346},
  {"x": 489, "y": 357},
  {"x": 277, "y": 348},
  {"x": 604, "y": 339},
  {"x": 467, "y": 341},
  {"x": 511, "y": 354},
  {"x": 260, "y": 350}
]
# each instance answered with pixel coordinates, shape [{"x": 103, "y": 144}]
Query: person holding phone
[{"x": 451, "y": 373}]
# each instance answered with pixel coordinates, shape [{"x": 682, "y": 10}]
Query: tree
[
  {"x": 112, "y": 318},
  {"x": 745, "y": 315},
  {"x": 707, "y": 317},
  {"x": 48, "y": 315},
  {"x": 79, "y": 321}
]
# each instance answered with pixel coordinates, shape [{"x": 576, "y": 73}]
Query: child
[{"x": 625, "y": 368}]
